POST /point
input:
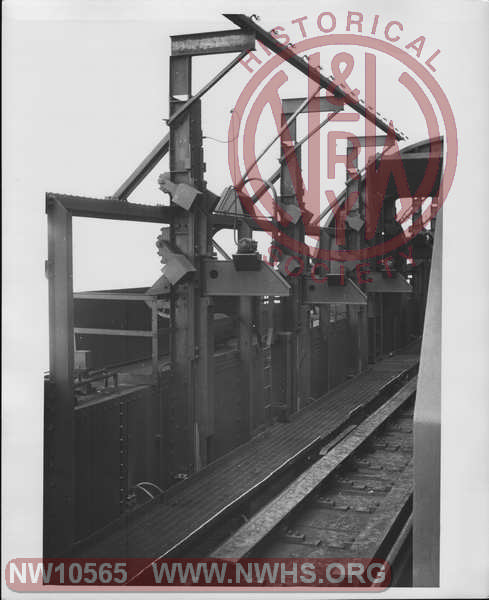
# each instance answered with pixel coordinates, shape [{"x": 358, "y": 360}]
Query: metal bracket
[
  {"x": 182, "y": 194},
  {"x": 329, "y": 103},
  {"x": 381, "y": 282},
  {"x": 317, "y": 291},
  {"x": 220, "y": 278}
]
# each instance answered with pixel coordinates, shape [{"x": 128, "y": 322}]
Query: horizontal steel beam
[
  {"x": 123, "y": 332},
  {"x": 302, "y": 65},
  {"x": 319, "y": 104},
  {"x": 212, "y": 42},
  {"x": 98, "y": 208},
  {"x": 109, "y": 296},
  {"x": 368, "y": 141}
]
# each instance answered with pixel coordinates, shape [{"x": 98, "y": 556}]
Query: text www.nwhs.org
[{"x": 37, "y": 574}]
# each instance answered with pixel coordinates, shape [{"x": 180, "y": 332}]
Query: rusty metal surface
[{"x": 191, "y": 503}]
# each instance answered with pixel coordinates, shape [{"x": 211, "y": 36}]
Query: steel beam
[
  {"x": 143, "y": 169},
  {"x": 192, "y": 343},
  {"x": 357, "y": 314},
  {"x": 247, "y": 342},
  {"x": 119, "y": 332},
  {"x": 276, "y": 174},
  {"x": 97, "y": 208},
  {"x": 369, "y": 141},
  {"x": 59, "y": 502},
  {"x": 294, "y": 318},
  {"x": 247, "y": 24},
  {"x": 212, "y": 42},
  {"x": 318, "y": 104}
]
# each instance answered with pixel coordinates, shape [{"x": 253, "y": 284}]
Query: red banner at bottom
[{"x": 30, "y": 574}]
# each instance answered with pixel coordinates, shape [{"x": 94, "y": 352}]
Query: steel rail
[{"x": 263, "y": 523}]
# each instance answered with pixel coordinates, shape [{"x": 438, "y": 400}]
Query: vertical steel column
[
  {"x": 192, "y": 317},
  {"x": 59, "y": 435},
  {"x": 247, "y": 316},
  {"x": 295, "y": 314},
  {"x": 154, "y": 340},
  {"x": 357, "y": 315},
  {"x": 325, "y": 309}
]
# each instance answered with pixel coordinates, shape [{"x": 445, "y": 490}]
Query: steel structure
[{"x": 216, "y": 350}]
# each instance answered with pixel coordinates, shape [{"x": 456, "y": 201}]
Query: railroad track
[{"x": 354, "y": 501}]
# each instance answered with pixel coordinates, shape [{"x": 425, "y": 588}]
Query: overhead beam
[
  {"x": 247, "y": 24},
  {"x": 368, "y": 141},
  {"x": 97, "y": 208},
  {"x": 212, "y": 42},
  {"x": 319, "y": 104}
]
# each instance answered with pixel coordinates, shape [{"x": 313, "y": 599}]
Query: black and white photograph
[{"x": 245, "y": 309}]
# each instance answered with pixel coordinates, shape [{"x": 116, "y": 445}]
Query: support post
[
  {"x": 154, "y": 341},
  {"x": 291, "y": 306},
  {"x": 357, "y": 314},
  {"x": 247, "y": 314},
  {"x": 191, "y": 416},
  {"x": 59, "y": 508}
]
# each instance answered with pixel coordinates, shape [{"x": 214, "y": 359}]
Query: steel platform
[{"x": 191, "y": 504}]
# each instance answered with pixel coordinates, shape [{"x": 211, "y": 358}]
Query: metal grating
[{"x": 191, "y": 503}]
